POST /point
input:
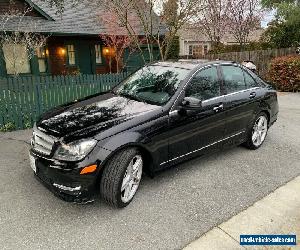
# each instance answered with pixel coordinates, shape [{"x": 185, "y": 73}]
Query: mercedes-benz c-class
[{"x": 161, "y": 115}]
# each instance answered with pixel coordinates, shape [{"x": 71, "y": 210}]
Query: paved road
[{"x": 168, "y": 212}]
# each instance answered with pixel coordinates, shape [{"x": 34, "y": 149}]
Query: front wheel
[
  {"x": 258, "y": 133},
  {"x": 121, "y": 177}
]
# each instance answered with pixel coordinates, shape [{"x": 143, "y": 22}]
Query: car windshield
[{"x": 152, "y": 84}]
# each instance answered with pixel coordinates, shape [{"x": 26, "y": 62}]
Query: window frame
[
  {"x": 30, "y": 63},
  {"x": 45, "y": 58},
  {"x": 101, "y": 54},
  {"x": 67, "y": 55},
  {"x": 190, "y": 49}
]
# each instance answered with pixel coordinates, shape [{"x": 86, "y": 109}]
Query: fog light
[{"x": 89, "y": 169}]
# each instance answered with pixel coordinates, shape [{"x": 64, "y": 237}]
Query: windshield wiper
[{"x": 131, "y": 97}]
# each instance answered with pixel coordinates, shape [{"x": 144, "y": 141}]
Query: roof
[
  {"x": 81, "y": 18},
  {"x": 178, "y": 64},
  {"x": 190, "y": 63},
  {"x": 191, "y": 33}
]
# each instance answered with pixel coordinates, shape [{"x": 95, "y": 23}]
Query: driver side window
[{"x": 204, "y": 85}]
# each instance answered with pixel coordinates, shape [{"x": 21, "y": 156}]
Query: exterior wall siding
[{"x": 58, "y": 62}]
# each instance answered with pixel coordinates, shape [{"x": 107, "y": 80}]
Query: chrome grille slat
[{"x": 41, "y": 142}]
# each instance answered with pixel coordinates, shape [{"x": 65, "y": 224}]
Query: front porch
[{"x": 70, "y": 55}]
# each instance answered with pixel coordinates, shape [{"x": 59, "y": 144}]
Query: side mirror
[{"x": 190, "y": 103}]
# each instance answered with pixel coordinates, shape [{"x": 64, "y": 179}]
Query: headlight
[{"x": 74, "y": 151}]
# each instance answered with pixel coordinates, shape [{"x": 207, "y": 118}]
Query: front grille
[{"x": 41, "y": 142}]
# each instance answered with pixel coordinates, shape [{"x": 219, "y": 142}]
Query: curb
[{"x": 277, "y": 213}]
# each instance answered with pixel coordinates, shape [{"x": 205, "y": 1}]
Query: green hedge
[{"x": 284, "y": 73}]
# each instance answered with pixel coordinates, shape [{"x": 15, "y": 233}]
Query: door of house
[{"x": 84, "y": 57}]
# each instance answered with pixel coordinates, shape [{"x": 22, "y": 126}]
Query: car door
[
  {"x": 194, "y": 131},
  {"x": 241, "y": 100}
]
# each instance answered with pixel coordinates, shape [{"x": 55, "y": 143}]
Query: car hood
[{"x": 91, "y": 116}]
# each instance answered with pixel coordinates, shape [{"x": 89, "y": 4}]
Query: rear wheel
[
  {"x": 258, "y": 133},
  {"x": 121, "y": 177}
]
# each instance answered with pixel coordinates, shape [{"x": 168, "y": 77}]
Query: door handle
[
  {"x": 218, "y": 108},
  {"x": 252, "y": 95}
]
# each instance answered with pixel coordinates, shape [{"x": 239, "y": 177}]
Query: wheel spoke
[
  {"x": 254, "y": 136},
  {"x": 125, "y": 183},
  {"x": 127, "y": 192},
  {"x": 132, "y": 178},
  {"x": 260, "y": 122},
  {"x": 258, "y": 138},
  {"x": 260, "y": 129}
]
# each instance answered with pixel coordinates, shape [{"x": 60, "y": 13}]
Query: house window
[
  {"x": 197, "y": 50},
  {"x": 16, "y": 59},
  {"x": 191, "y": 50},
  {"x": 71, "y": 55},
  {"x": 205, "y": 49},
  {"x": 98, "y": 53},
  {"x": 42, "y": 59}
]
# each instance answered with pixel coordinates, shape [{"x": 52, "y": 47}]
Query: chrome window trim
[
  {"x": 204, "y": 67},
  {"x": 199, "y": 149},
  {"x": 241, "y": 91}
]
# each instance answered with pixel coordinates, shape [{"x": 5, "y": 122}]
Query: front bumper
[{"x": 66, "y": 181}]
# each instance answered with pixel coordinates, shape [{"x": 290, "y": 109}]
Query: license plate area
[{"x": 32, "y": 163}]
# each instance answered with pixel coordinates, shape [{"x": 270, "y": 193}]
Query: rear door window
[
  {"x": 233, "y": 77},
  {"x": 250, "y": 82}
]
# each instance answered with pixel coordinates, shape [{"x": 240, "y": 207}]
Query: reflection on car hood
[{"x": 92, "y": 115}]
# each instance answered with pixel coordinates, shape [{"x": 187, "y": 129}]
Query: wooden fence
[
  {"x": 261, "y": 58},
  {"x": 24, "y": 99}
]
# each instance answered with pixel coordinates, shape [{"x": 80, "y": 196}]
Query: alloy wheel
[
  {"x": 131, "y": 179},
  {"x": 259, "y": 131}
]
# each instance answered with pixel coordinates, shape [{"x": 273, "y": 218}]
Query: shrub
[
  {"x": 7, "y": 127},
  {"x": 284, "y": 73}
]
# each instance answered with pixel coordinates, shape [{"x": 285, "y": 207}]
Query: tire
[
  {"x": 121, "y": 177},
  {"x": 253, "y": 142}
]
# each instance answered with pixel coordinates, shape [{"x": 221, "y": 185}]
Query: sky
[{"x": 267, "y": 18}]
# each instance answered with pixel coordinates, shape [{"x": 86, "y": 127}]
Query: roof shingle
[{"x": 82, "y": 18}]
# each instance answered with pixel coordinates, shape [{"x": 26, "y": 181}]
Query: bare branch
[{"x": 18, "y": 40}]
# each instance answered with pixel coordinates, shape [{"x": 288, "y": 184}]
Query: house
[
  {"x": 194, "y": 43},
  {"x": 73, "y": 44}
]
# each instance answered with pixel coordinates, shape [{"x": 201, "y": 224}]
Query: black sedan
[{"x": 163, "y": 114}]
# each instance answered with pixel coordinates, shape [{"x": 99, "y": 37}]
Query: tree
[
  {"x": 243, "y": 17},
  {"x": 212, "y": 19},
  {"x": 282, "y": 34},
  {"x": 175, "y": 14},
  {"x": 115, "y": 38},
  {"x": 157, "y": 20},
  {"x": 284, "y": 30},
  {"x": 21, "y": 43}
]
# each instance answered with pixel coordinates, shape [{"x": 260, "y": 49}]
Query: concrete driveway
[{"x": 168, "y": 212}]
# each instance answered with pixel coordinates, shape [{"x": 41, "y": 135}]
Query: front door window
[{"x": 204, "y": 85}]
